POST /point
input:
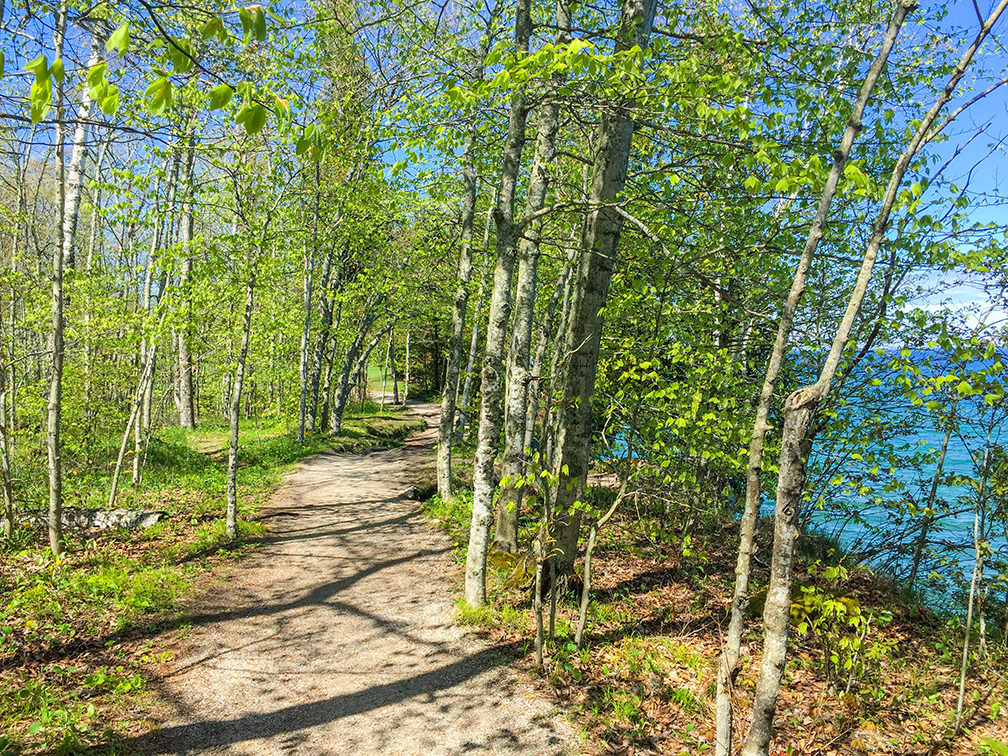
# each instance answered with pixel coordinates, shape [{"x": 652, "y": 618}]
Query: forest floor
[
  {"x": 337, "y": 636},
  {"x": 869, "y": 671}
]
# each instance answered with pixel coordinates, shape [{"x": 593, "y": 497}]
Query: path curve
[{"x": 336, "y": 637}]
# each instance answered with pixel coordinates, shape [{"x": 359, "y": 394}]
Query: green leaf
[
  {"x": 120, "y": 40},
  {"x": 3, "y": 61},
  {"x": 964, "y": 388},
  {"x": 57, "y": 71},
  {"x": 282, "y": 109},
  {"x": 246, "y": 21},
  {"x": 40, "y": 67},
  {"x": 40, "y": 97},
  {"x": 181, "y": 57},
  {"x": 213, "y": 27},
  {"x": 259, "y": 20},
  {"x": 35, "y": 727},
  {"x": 252, "y": 117},
  {"x": 96, "y": 75},
  {"x": 220, "y": 96},
  {"x": 159, "y": 96},
  {"x": 110, "y": 103}
]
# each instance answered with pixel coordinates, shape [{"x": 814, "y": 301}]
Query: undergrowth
[{"x": 77, "y": 634}]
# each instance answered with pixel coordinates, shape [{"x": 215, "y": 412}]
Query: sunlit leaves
[
  {"x": 253, "y": 21},
  {"x": 105, "y": 94},
  {"x": 119, "y": 40},
  {"x": 40, "y": 96},
  {"x": 214, "y": 28},
  {"x": 159, "y": 95},
  {"x": 220, "y": 96},
  {"x": 39, "y": 66},
  {"x": 181, "y": 56},
  {"x": 253, "y": 117}
]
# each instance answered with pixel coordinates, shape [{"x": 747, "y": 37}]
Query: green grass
[{"x": 115, "y": 588}]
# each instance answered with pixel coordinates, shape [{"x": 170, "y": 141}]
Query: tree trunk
[
  {"x": 929, "y": 509},
  {"x": 306, "y": 327},
  {"x": 5, "y": 450},
  {"x": 186, "y": 395},
  {"x": 463, "y": 402},
  {"x": 729, "y": 659},
  {"x": 131, "y": 424},
  {"x": 405, "y": 394},
  {"x": 325, "y": 316},
  {"x": 55, "y": 405},
  {"x": 500, "y": 302},
  {"x": 236, "y": 391},
  {"x": 96, "y": 223},
  {"x": 388, "y": 354},
  {"x": 75, "y": 170},
  {"x": 799, "y": 410},
  {"x": 535, "y": 379},
  {"x": 516, "y": 393},
  {"x": 349, "y": 365},
  {"x": 446, "y": 427},
  {"x": 589, "y": 292}
]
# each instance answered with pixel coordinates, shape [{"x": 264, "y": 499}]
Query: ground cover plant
[
  {"x": 874, "y": 670},
  {"x": 79, "y": 634}
]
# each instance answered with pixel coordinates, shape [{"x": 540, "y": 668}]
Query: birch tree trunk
[
  {"x": 75, "y": 170},
  {"x": 309, "y": 272},
  {"x": 974, "y": 582},
  {"x": 535, "y": 379},
  {"x": 96, "y": 235},
  {"x": 186, "y": 395},
  {"x": 589, "y": 291},
  {"x": 474, "y": 341},
  {"x": 405, "y": 394},
  {"x": 929, "y": 509},
  {"x": 500, "y": 303},
  {"x": 236, "y": 392},
  {"x": 516, "y": 393},
  {"x": 5, "y": 450},
  {"x": 730, "y": 656},
  {"x": 55, "y": 405},
  {"x": 325, "y": 317},
  {"x": 799, "y": 411},
  {"x": 446, "y": 426},
  {"x": 350, "y": 363}
]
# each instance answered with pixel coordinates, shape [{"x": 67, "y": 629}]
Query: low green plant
[{"x": 841, "y": 627}]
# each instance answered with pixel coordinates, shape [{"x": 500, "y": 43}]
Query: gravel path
[{"x": 336, "y": 637}]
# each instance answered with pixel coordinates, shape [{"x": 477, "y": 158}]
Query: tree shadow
[{"x": 220, "y": 733}]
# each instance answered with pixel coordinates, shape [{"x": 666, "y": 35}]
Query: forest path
[{"x": 336, "y": 636}]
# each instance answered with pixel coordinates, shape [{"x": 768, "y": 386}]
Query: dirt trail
[{"x": 336, "y": 637}]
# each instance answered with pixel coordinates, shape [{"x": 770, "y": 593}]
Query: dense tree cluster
[{"x": 678, "y": 244}]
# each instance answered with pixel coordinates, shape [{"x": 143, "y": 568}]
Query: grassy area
[
  {"x": 77, "y": 634},
  {"x": 868, "y": 670}
]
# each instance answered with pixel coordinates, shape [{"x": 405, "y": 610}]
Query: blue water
[{"x": 890, "y": 538}]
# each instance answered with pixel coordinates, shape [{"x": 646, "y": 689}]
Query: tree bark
[
  {"x": 589, "y": 292},
  {"x": 729, "y": 659},
  {"x": 405, "y": 394},
  {"x": 799, "y": 410},
  {"x": 55, "y": 405},
  {"x": 463, "y": 402},
  {"x": 350, "y": 363},
  {"x": 446, "y": 426},
  {"x": 500, "y": 302},
  {"x": 5, "y": 450},
  {"x": 325, "y": 316},
  {"x": 929, "y": 509},
  {"x": 186, "y": 395},
  {"x": 535, "y": 380},
  {"x": 236, "y": 392},
  {"x": 516, "y": 392}
]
